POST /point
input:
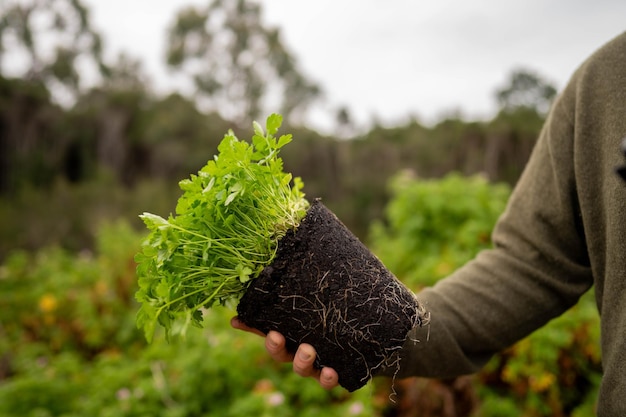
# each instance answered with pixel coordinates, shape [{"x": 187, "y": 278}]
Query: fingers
[
  {"x": 303, "y": 360},
  {"x": 238, "y": 324},
  {"x": 275, "y": 346},
  {"x": 303, "y": 365},
  {"x": 274, "y": 341},
  {"x": 329, "y": 379}
]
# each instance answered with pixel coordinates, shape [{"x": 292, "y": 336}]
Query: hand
[{"x": 302, "y": 361}]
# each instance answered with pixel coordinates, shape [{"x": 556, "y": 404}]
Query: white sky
[{"x": 394, "y": 58}]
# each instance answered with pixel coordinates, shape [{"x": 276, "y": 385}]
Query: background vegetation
[{"x": 79, "y": 162}]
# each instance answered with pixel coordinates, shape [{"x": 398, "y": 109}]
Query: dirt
[{"x": 327, "y": 289}]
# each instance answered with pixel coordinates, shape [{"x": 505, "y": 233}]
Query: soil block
[{"x": 327, "y": 289}]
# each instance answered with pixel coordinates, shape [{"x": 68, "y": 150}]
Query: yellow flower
[
  {"x": 48, "y": 303},
  {"x": 542, "y": 382}
]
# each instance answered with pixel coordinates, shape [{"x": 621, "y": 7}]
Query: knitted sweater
[{"x": 564, "y": 230}]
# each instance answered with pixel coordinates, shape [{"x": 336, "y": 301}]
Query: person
[{"x": 563, "y": 231}]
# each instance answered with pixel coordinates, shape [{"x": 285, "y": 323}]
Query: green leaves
[
  {"x": 435, "y": 226},
  {"x": 273, "y": 123},
  {"x": 228, "y": 222},
  {"x": 154, "y": 221}
]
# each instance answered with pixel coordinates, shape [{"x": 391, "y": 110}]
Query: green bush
[{"x": 434, "y": 227}]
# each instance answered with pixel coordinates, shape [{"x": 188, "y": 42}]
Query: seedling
[
  {"x": 228, "y": 222},
  {"x": 244, "y": 235}
]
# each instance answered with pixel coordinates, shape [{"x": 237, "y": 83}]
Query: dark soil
[{"x": 327, "y": 289}]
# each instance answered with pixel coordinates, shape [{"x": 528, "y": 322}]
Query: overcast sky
[{"x": 394, "y": 58}]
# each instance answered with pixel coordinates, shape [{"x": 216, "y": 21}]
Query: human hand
[{"x": 302, "y": 360}]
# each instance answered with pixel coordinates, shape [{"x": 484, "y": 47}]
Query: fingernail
[{"x": 305, "y": 356}]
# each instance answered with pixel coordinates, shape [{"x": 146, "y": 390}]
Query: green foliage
[
  {"x": 226, "y": 230},
  {"x": 554, "y": 371},
  {"x": 434, "y": 227},
  {"x": 69, "y": 347},
  {"x": 42, "y": 297}
]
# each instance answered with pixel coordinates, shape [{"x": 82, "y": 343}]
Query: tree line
[{"x": 55, "y": 128}]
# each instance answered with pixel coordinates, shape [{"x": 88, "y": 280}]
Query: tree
[
  {"x": 239, "y": 66},
  {"x": 48, "y": 41},
  {"x": 526, "y": 90},
  {"x": 524, "y": 103},
  {"x": 30, "y": 143}
]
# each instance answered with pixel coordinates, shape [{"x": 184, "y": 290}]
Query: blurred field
[{"x": 69, "y": 344}]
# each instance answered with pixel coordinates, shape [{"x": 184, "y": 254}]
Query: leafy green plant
[
  {"x": 71, "y": 301},
  {"x": 226, "y": 229},
  {"x": 434, "y": 226}
]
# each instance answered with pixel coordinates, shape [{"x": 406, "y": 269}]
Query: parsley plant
[{"x": 228, "y": 222}]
